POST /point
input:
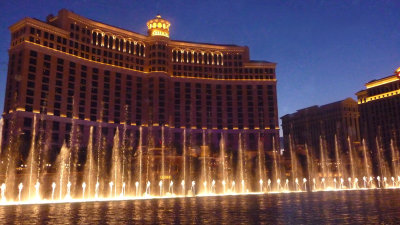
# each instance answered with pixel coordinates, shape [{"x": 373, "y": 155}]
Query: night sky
[{"x": 326, "y": 50}]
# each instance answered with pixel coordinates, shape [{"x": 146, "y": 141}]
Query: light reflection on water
[{"x": 345, "y": 207}]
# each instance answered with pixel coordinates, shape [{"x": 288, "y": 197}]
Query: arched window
[
  {"x": 179, "y": 56},
  {"x": 132, "y": 48},
  {"x": 137, "y": 49},
  {"x": 121, "y": 44},
  {"x": 141, "y": 50},
  {"x": 215, "y": 59},
  {"x": 111, "y": 44},
  {"x": 106, "y": 41},
  {"x": 94, "y": 38},
  {"x": 128, "y": 46},
  {"x": 190, "y": 57},
  {"x": 185, "y": 56},
  {"x": 209, "y": 58},
  {"x": 195, "y": 57},
  {"x": 174, "y": 55},
  {"x": 200, "y": 58},
  {"x": 98, "y": 39},
  {"x": 117, "y": 43}
]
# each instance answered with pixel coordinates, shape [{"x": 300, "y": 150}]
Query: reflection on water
[{"x": 344, "y": 207}]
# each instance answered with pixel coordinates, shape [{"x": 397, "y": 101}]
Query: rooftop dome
[{"x": 158, "y": 27}]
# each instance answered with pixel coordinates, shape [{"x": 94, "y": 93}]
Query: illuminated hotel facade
[
  {"x": 71, "y": 71},
  {"x": 379, "y": 106}
]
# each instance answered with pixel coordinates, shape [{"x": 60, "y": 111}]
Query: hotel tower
[{"x": 71, "y": 72}]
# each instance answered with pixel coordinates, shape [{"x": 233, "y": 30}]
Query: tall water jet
[
  {"x": 3, "y": 192},
  {"x": 123, "y": 148},
  {"x": 88, "y": 172},
  {"x": 241, "y": 163},
  {"x": 162, "y": 158},
  {"x": 352, "y": 166},
  {"x": 192, "y": 188},
  {"x": 293, "y": 161},
  {"x": 222, "y": 163},
  {"x": 37, "y": 195},
  {"x": 184, "y": 163},
  {"x": 32, "y": 158},
  {"x": 1, "y": 135},
  {"x": 62, "y": 161},
  {"x": 171, "y": 187},
  {"x": 53, "y": 188},
  {"x": 395, "y": 158},
  {"x": 149, "y": 162},
  {"x": 204, "y": 163},
  {"x": 73, "y": 162},
  {"x": 310, "y": 166},
  {"x": 148, "y": 188},
  {"x": 111, "y": 184},
  {"x": 1, "y": 139},
  {"x": 382, "y": 167},
  {"x": 68, "y": 195},
  {"x": 130, "y": 162},
  {"x": 261, "y": 163},
  {"x": 366, "y": 161},
  {"x": 140, "y": 148},
  {"x": 98, "y": 161},
  {"x": 324, "y": 159},
  {"x": 276, "y": 161},
  {"x": 116, "y": 163},
  {"x": 339, "y": 164},
  {"x": 42, "y": 145},
  {"x": 10, "y": 157},
  {"x": 83, "y": 190},
  {"x": 20, "y": 186}
]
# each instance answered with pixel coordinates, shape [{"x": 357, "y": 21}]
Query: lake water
[{"x": 344, "y": 207}]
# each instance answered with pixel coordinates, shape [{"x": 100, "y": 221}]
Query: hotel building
[
  {"x": 379, "y": 106},
  {"x": 71, "y": 71}
]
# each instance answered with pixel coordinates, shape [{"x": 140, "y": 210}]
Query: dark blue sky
[{"x": 326, "y": 50}]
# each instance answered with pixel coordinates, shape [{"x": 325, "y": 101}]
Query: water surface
[{"x": 344, "y": 207}]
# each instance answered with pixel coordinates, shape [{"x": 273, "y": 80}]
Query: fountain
[{"x": 221, "y": 167}]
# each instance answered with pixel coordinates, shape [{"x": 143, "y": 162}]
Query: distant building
[
  {"x": 379, "y": 106},
  {"x": 317, "y": 126}
]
